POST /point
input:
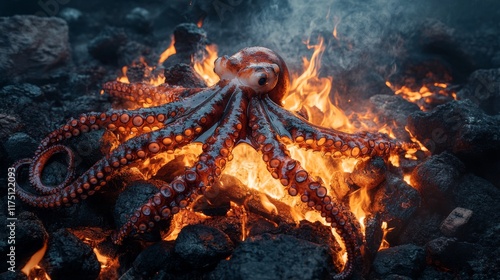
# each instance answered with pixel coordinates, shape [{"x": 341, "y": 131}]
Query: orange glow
[
  {"x": 312, "y": 93},
  {"x": 168, "y": 52},
  {"x": 103, "y": 260},
  {"x": 384, "y": 244},
  {"x": 34, "y": 260},
  {"x": 124, "y": 78},
  {"x": 424, "y": 94},
  {"x": 200, "y": 23},
  {"x": 335, "y": 33},
  {"x": 206, "y": 68}
]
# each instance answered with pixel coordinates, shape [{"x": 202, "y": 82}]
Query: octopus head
[{"x": 257, "y": 68}]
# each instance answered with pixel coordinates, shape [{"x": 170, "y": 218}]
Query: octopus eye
[{"x": 262, "y": 81}]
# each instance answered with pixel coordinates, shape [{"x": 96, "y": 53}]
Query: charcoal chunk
[
  {"x": 422, "y": 227},
  {"x": 30, "y": 236},
  {"x": 480, "y": 196},
  {"x": 8, "y": 125},
  {"x": 183, "y": 75},
  {"x": 19, "y": 96},
  {"x": 394, "y": 109},
  {"x": 105, "y": 46},
  {"x": 189, "y": 38},
  {"x": 16, "y": 275},
  {"x": 139, "y": 19},
  {"x": 449, "y": 253},
  {"x": 159, "y": 256},
  {"x": 20, "y": 145},
  {"x": 396, "y": 200},
  {"x": 459, "y": 127},
  {"x": 369, "y": 174},
  {"x": 436, "y": 178},
  {"x": 483, "y": 88},
  {"x": 203, "y": 246},
  {"x": 405, "y": 260},
  {"x": 67, "y": 257},
  {"x": 32, "y": 48},
  {"x": 190, "y": 43},
  {"x": 263, "y": 258},
  {"x": 134, "y": 196}
]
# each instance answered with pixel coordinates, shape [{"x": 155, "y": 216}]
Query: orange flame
[
  {"x": 421, "y": 97},
  {"x": 124, "y": 78},
  {"x": 168, "y": 51},
  {"x": 34, "y": 260},
  {"x": 312, "y": 93},
  {"x": 206, "y": 68}
]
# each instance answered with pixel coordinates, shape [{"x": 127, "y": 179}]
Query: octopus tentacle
[
  {"x": 178, "y": 134},
  {"x": 340, "y": 144},
  {"x": 139, "y": 148},
  {"x": 299, "y": 182},
  {"x": 217, "y": 151},
  {"x": 126, "y": 122},
  {"x": 39, "y": 162},
  {"x": 147, "y": 95}
]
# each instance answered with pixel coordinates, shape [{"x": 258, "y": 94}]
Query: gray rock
[
  {"x": 67, "y": 257},
  {"x": 405, "y": 260},
  {"x": 268, "y": 257},
  {"x": 203, "y": 246},
  {"x": 31, "y": 47},
  {"x": 459, "y": 127}
]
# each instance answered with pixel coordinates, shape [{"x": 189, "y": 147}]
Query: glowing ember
[{"x": 424, "y": 95}]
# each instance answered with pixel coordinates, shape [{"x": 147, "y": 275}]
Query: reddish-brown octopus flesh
[{"x": 244, "y": 106}]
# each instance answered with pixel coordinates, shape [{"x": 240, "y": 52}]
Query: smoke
[{"x": 383, "y": 28}]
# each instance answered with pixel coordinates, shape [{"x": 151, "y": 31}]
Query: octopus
[{"x": 243, "y": 107}]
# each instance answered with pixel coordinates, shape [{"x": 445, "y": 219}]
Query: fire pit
[{"x": 132, "y": 154}]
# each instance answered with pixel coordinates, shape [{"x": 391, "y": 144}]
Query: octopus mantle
[{"x": 244, "y": 106}]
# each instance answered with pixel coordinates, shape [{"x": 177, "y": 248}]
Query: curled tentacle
[
  {"x": 293, "y": 128},
  {"x": 183, "y": 189},
  {"x": 38, "y": 164},
  {"x": 125, "y": 122},
  {"x": 147, "y": 95},
  {"x": 299, "y": 182},
  {"x": 180, "y": 133}
]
